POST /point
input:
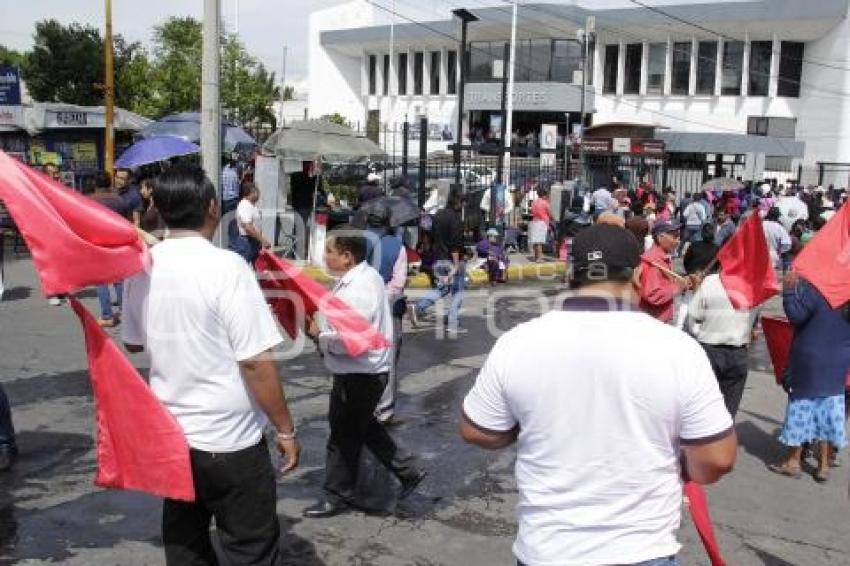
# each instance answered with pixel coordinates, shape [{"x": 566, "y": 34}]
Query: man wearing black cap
[
  {"x": 601, "y": 454},
  {"x": 659, "y": 284}
]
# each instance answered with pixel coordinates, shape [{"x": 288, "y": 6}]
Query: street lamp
[
  {"x": 465, "y": 16},
  {"x": 585, "y": 36}
]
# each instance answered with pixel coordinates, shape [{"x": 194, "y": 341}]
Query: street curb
[{"x": 547, "y": 271}]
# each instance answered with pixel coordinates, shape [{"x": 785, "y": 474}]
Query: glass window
[
  {"x": 418, "y": 71},
  {"x": 591, "y": 50},
  {"x": 451, "y": 72},
  {"x": 656, "y": 68},
  {"x": 386, "y": 75},
  {"x": 566, "y": 60},
  {"x": 790, "y": 69},
  {"x": 680, "y": 77},
  {"x": 634, "y": 53},
  {"x": 402, "y": 73},
  {"x": 612, "y": 55},
  {"x": 756, "y": 126},
  {"x": 480, "y": 62},
  {"x": 435, "y": 73},
  {"x": 733, "y": 67},
  {"x": 761, "y": 53},
  {"x": 540, "y": 59},
  {"x": 522, "y": 68},
  {"x": 706, "y": 66},
  {"x": 373, "y": 62},
  {"x": 777, "y": 163}
]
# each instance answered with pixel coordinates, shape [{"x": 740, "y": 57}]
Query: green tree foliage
[
  {"x": 176, "y": 70},
  {"x": 65, "y": 64},
  {"x": 133, "y": 87},
  {"x": 335, "y": 118},
  {"x": 10, "y": 57},
  {"x": 247, "y": 88}
]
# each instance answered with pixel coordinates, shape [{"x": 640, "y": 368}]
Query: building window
[
  {"x": 656, "y": 68},
  {"x": 761, "y": 53},
  {"x": 373, "y": 72},
  {"x": 680, "y": 77},
  {"x": 522, "y": 68},
  {"x": 706, "y": 67},
  {"x": 386, "y": 75},
  {"x": 778, "y": 163},
  {"x": 451, "y": 72},
  {"x": 435, "y": 73},
  {"x": 541, "y": 59},
  {"x": 402, "y": 73},
  {"x": 790, "y": 69},
  {"x": 733, "y": 67},
  {"x": 772, "y": 126},
  {"x": 612, "y": 56},
  {"x": 566, "y": 60},
  {"x": 634, "y": 54},
  {"x": 481, "y": 58},
  {"x": 418, "y": 72}
]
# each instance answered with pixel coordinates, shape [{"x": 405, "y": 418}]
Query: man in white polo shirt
[
  {"x": 600, "y": 455},
  {"x": 202, "y": 317}
]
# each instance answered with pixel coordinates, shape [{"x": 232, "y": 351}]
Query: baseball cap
[
  {"x": 603, "y": 247},
  {"x": 665, "y": 226}
]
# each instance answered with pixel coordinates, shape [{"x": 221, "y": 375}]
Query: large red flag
[
  {"x": 286, "y": 286},
  {"x": 698, "y": 506},
  {"x": 778, "y": 334},
  {"x": 74, "y": 241},
  {"x": 140, "y": 445},
  {"x": 746, "y": 268},
  {"x": 825, "y": 261}
]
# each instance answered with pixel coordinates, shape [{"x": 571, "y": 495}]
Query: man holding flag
[{"x": 200, "y": 313}]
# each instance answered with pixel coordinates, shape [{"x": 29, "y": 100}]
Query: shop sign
[
  {"x": 10, "y": 86},
  {"x": 71, "y": 119},
  {"x": 621, "y": 145},
  {"x": 648, "y": 147},
  {"x": 84, "y": 152},
  {"x": 548, "y": 140},
  {"x": 597, "y": 145},
  {"x": 12, "y": 116}
]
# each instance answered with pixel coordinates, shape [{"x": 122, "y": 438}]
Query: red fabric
[
  {"x": 746, "y": 269},
  {"x": 702, "y": 521},
  {"x": 657, "y": 290},
  {"x": 825, "y": 261},
  {"x": 778, "y": 333},
  {"x": 74, "y": 241},
  {"x": 140, "y": 445},
  {"x": 540, "y": 210},
  {"x": 284, "y": 282}
]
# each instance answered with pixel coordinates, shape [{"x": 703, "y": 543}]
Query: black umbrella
[{"x": 401, "y": 210}]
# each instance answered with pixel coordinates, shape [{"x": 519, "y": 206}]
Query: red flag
[
  {"x": 140, "y": 445},
  {"x": 285, "y": 284},
  {"x": 825, "y": 261},
  {"x": 75, "y": 242},
  {"x": 746, "y": 268},
  {"x": 698, "y": 505},
  {"x": 778, "y": 333}
]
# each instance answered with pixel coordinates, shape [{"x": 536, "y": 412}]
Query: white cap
[{"x": 373, "y": 178}]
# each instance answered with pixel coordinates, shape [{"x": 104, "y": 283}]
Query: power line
[{"x": 724, "y": 36}]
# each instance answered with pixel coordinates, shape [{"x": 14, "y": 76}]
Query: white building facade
[{"x": 767, "y": 81}]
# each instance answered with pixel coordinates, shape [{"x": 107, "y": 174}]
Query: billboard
[{"x": 10, "y": 86}]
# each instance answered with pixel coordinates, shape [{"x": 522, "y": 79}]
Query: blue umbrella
[
  {"x": 187, "y": 125},
  {"x": 157, "y": 148}
]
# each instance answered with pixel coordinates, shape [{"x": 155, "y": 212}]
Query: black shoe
[
  {"x": 324, "y": 509},
  {"x": 409, "y": 485}
]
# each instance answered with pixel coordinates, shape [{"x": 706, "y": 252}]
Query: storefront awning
[
  {"x": 43, "y": 116},
  {"x": 730, "y": 144}
]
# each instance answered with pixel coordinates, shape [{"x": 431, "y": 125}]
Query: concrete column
[
  {"x": 745, "y": 68},
  {"x": 692, "y": 80},
  {"x": 668, "y": 68},
  {"x": 210, "y": 102},
  {"x": 773, "y": 87},
  {"x": 644, "y": 68},
  {"x": 718, "y": 73},
  {"x": 621, "y": 66}
]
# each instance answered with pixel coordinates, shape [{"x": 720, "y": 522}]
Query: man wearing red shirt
[{"x": 658, "y": 286}]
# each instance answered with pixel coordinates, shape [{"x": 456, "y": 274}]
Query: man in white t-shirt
[
  {"x": 791, "y": 208},
  {"x": 201, "y": 315},
  {"x": 601, "y": 454}
]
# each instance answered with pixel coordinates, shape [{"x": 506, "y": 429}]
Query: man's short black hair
[
  {"x": 182, "y": 195},
  {"x": 347, "y": 238}
]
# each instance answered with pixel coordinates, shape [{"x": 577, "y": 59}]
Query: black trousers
[
  {"x": 238, "y": 489},
  {"x": 730, "y": 367},
  {"x": 7, "y": 429},
  {"x": 353, "y": 425}
]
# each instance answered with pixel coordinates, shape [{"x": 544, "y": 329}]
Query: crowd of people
[{"x": 611, "y": 495}]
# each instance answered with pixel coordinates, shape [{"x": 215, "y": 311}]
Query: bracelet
[{"x": 287, "y": 435}]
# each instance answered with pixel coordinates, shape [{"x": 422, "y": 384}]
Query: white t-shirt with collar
[
  {"x": 247, "y": 213},
  {"x": 361, "y": 288},
  {"x": 199, "y": 312},
  {"x": 600, "y": 429}
]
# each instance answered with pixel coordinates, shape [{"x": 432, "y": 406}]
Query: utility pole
[
  {"x": 465, "y": 16},
  {"x": 210, "y": 109},
  {"x": 109, "y": 93},
  {"x": 509, "y": 104},
  {"x": 586, "y": 35},
  {"x": 282, "y": 88}
]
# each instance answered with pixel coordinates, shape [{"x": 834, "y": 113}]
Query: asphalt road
[{"x": 50, "y": 510}]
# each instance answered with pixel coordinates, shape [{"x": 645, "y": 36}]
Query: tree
[
  {"x": 335, "y": 118},
  {"x": 10, "y": 57},
  {"x": 288, "y": 93},
  {"x": 176, "y": 73},
  {"x": 65, "y": 64},
  {"x": 247, "y": 88},
  {"x": 133, "y": 73}
]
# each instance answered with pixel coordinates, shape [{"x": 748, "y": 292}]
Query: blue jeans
[
  {"x": 442, "y": 268},
  {"x": 105, "y": 299},
  {"x": 7, "y": 430},
  {"x": 668, "y": 561}
]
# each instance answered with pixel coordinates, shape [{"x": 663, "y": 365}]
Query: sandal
[{"x": 786, "y": 470}]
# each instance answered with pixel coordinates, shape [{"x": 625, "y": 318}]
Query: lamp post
[
  {"x": 585, "y": 37},
  {"x": 465, "y": 16}
]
